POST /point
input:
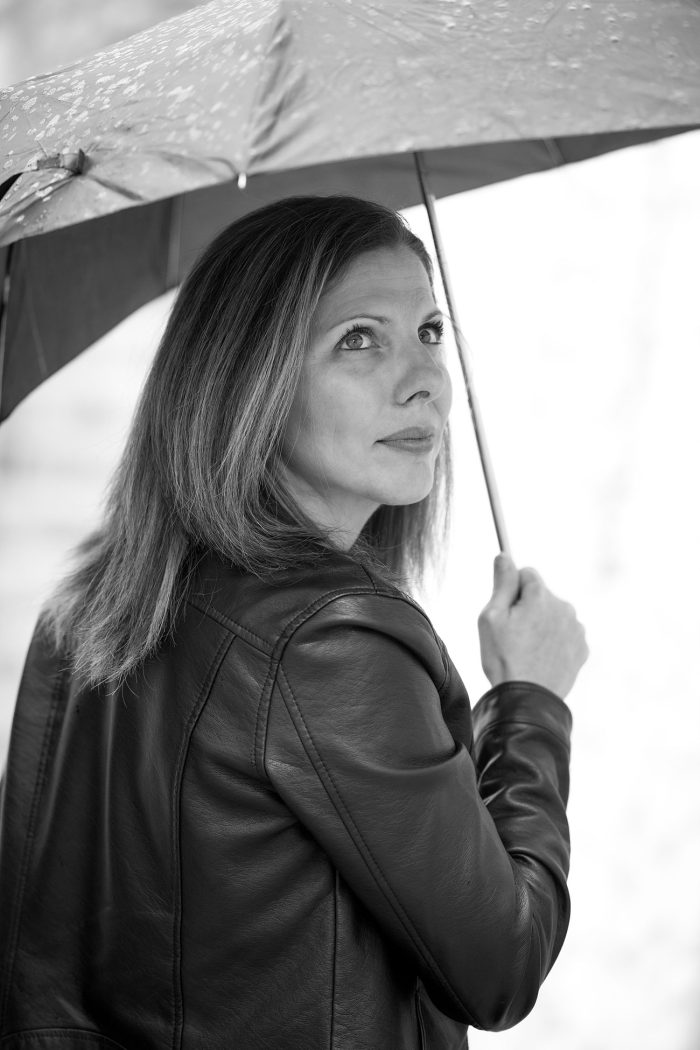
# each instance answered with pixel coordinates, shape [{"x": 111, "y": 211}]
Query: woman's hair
[{"x": 200, "y": 467}]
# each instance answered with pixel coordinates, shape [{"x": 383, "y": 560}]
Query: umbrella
[{"x": 119, "y": 168}]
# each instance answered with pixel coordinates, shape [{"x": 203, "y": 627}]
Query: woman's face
[{"x": 374, "y": 369}]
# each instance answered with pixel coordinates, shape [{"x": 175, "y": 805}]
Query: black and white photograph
[{"x": 349, "y": 439}]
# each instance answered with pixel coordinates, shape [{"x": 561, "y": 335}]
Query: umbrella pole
[{"x": 463, "y": 351}]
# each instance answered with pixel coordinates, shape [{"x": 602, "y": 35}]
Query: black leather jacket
[{"x": 287, "y": 831}]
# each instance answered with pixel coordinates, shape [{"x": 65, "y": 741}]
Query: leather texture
[{"x": 287, "y": 830}]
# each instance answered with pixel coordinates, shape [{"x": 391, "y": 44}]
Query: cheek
[
  {"x": 314, "y": 426},
  {"x": 445, "y": 399},
  {"x": 335, "y": 418},
  {"x": 347, "y": 412}
]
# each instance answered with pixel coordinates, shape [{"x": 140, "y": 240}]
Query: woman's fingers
[
  {"x": 506, "y": 582},
  {"x": 529, "y": 634}
]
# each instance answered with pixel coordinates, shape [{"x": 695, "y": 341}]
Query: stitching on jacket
[
  {"x": 197, "y": 708},
  {"x": 228, "y": 621},
  {"x": 326, "y": 599},
  {"x": 308, "y": 611},
  {"x": 13, "y": 939},
  {"x": 266, "y": 692},
  {"x": 369, "y": 576},
  {"x": 285, "y": 636},
  {"x": 275, "y": 651},
  {"x": 384, "y": 592},
  {"x": 261, "y": 716},
  {"x": 374, "y": 867}
]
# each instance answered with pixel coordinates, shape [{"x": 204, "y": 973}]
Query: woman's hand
[{"x": 527, "y": 634}]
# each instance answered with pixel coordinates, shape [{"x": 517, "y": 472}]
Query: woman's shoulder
[{"x": 335, "y": 587}]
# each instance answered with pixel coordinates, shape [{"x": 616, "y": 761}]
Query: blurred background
[{"x": 577, "y": 290}]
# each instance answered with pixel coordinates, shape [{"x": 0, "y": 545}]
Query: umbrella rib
[
  {"x": 552, "y": 147},
  {"x": 172, "y": 264},
  {"x": 121, "y": 191},
  {"x": 259, "y": 91}
]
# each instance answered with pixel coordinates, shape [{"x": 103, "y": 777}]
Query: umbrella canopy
[{"x": 118, "y": 169}]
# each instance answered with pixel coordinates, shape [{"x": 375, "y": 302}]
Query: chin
[
  {"x": 403, "y": 491},
  {"x": 408, "y": 501},
  {"x": 407, "y": 496}
]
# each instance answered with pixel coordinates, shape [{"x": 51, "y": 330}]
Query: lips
[
  {"x": 418, "y": 441},
  {"x": 411, "y": 434}
]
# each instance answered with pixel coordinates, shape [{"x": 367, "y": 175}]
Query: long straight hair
[{"x": 199, "y": 471}]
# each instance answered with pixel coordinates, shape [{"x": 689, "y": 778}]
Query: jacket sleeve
[{"x": 459, "y": 853}]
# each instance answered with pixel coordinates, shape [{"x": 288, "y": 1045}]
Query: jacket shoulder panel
[{"x": 267, "y": 612}]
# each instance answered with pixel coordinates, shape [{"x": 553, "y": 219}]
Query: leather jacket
[{"x": 287, "y": 830}]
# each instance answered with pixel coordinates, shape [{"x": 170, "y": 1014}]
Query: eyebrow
[{"x": 386, "y": 320}]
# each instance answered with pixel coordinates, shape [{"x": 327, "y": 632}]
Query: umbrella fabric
[{"x": 118, "y": 169}]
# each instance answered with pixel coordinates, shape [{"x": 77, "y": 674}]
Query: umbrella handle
[{"x": 463, "y": 351}]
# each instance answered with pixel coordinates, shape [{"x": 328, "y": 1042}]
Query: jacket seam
[
  {"x": 263, "y": 709},
  {"x": 13, "y": 939},
  {"x": 259, "y": 643},
  {"x": 371, "y": 579},
  {"x": 268, "y": 647},
  {"x": 386, "y": 593},
  {"x": 197, "y": 708},
  {"x": 261, "y": 718},
  {"x": 373, "y": 867},
  {"x": 274, "y": 651},
  {"x": 262, "y": 644}
]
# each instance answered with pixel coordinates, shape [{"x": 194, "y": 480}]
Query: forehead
[{"x": 376, "y": 281}]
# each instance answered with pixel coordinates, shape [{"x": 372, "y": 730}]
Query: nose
[{"x": 423, "y": 375}]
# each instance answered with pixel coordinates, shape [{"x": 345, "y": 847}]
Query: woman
[{"x": 246, "y": 802}]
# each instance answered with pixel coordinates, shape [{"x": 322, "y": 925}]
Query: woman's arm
[{"x": 472, "y": 888}]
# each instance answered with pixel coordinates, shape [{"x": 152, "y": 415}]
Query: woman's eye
[
  {"x": 356, "y": 339},
  {"x": 360, "y": 338},
  {"x": 434, "y": 329}
]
